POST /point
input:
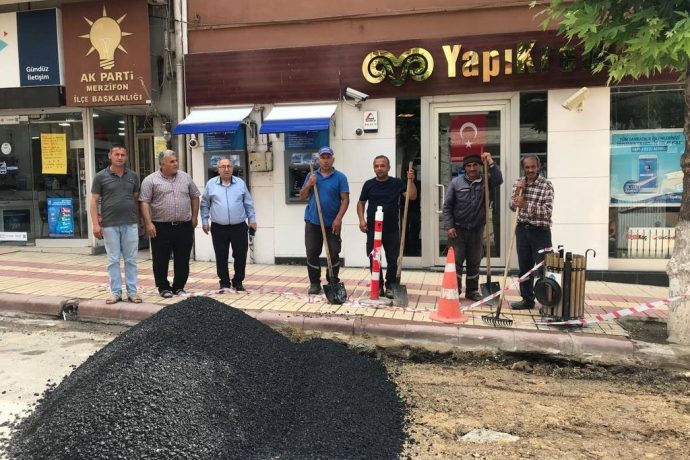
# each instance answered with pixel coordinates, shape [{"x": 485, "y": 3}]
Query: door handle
[{"x": 443, "y": 195}]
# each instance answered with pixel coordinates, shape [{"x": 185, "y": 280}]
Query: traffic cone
[{"x": 448, "y": 310}]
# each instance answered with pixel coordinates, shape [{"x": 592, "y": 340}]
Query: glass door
[{"x": 456, "y": 132}]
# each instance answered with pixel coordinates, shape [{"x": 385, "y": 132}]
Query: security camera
[
  {"x": 357, "y": 95},
  {"x": 577, "y": 100},
  {"x": 193, "y": 142}
]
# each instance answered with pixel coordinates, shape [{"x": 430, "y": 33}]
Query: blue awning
[
  {"x": 291, "y": 118},
  {"x": 212, "y": 120}
]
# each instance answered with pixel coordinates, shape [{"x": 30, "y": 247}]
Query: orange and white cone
[{"x": 448, "y": 310}]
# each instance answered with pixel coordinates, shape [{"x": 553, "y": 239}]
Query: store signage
[
  {"x": 13, "y": 236},
  {"x": 13, "y": 119},
  {"x": 226, "y": 140},
  {"x": 645, "y": 168},
  {"x": 370, "y": 121},
  {"x": 107, "y": 58},
  {"x": 483, "y": 65},
  {"x": 29, "y": 49}
]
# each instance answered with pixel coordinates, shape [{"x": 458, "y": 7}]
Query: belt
[
  {"x": 526, "y": 225},
  {"x": 178, "y": 222}
]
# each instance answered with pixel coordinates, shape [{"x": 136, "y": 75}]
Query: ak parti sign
[{"x": 106, "y": 46}]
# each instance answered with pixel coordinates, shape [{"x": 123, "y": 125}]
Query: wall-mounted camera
[
  {"x": 357, "y": 96},
  {"x": 193, "y": 142},
  {"x": 577, "y": 100}
]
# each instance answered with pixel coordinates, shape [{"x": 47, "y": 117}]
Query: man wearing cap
[
  {"x": 385, "y": 191},
  {"x": 334, "y": 196},
  {"x": 464, "y": 218}
]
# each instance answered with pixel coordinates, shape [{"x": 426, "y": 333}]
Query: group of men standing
[{"x": 169, "y": 202}]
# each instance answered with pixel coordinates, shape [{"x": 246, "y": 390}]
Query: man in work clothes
[
  {"x": 170, "y": 205},
  {"x": 533, "y": 231},
  {"x": 385, "y": 191},
  {"x": 334, "y": 195},
  {"x": 117, "y": 189},
  {"x": 226, "y": 200},
  {"x": 464, "y": 217}
]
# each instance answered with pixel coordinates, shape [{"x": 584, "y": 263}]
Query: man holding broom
[{"x": 464, "y": 218}]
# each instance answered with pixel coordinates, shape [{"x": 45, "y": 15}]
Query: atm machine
[
  {"x": 231, "y": 144},
  {"x": 301, "y": 148}
]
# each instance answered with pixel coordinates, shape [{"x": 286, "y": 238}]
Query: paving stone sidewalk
[{"x": 282, "y": 288}]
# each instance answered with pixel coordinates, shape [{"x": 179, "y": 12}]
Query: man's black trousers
[
  {"x": 176, "y": 240},
  {"x": 391, "y": 245},
  {"x": 224, "y": 237},
  {"x": 530, "y": 240},
  {"x": 468, "y": 247},
  {"x": 313, "y": 240}
]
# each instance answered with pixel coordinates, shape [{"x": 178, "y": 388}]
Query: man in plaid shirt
[{"x": 533, "y": 232}]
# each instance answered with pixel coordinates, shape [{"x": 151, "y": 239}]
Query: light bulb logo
[{"x": 105, "y": 36}]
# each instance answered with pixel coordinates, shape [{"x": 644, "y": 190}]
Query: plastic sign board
[
  {"x": 13, "y": 236},
  {"x": 370, "y": 121},
  {"x": 30, "y": 53}
]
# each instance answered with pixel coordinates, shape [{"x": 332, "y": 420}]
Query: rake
[{"x": 496, "y": 320}]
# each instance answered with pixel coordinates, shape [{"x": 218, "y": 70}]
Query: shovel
[
  {"x": 400, "y": 290},
  {"x": 489, "y": 287},
  {"x": 335, "y": 292}
]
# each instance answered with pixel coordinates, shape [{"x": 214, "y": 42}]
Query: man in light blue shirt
[{"x": 228, "y": 204}]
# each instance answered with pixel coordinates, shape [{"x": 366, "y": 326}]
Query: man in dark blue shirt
[
  {"x": 385, "y": 191},
  {"x": 334, "y": 196}
]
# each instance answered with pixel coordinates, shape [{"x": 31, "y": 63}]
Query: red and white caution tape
[
  {"x": 522, "y": 279},
  {"x": 614, "y": 314}
]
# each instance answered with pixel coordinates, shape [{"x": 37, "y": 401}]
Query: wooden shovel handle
[
  {"x": 323, "y": 227},
  {"x": 508, "y": 256},
  {"x": 486, "y": 211},
  {"x": 404, "y": 225}
]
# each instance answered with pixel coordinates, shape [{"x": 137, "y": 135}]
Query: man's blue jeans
[{"x": 122, "y": 241}]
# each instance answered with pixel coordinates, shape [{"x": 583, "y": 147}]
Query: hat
[
  {"x": 325, "y": 150},
  {"x": 471, "y": 159}
]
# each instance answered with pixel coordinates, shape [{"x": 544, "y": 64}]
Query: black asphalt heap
[{"x": 201, "y": 380}]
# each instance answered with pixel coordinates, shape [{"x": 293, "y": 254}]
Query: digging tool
[
  {"x": 400, "y": 290},
  {"x": 489, "y": 287},
  {"x": 335, "y": 291},
  {"x": 496, "y": 319}
]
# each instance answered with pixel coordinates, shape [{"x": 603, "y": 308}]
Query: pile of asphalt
[{"x": 201, "y": 380}]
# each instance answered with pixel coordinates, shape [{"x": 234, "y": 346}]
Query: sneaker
[
  {"x": 314, "y": 288},
  {"x": 474, "y": 296},
  {"x": 181, "y": 293},
  {"x": 522, "y": 305},
  {"x": 114, "y": 298},
  {"x": 166, "y": 294},
  {"x": 134, "y": 298},
  {"x": 224, "y": 287},
  {"x": 389, "y": 293},
  {"x": 239, "y": 287}
]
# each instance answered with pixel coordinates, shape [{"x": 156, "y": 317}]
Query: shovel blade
[
  {"x": 489, "y": 288},
  {"x": 335, "y": 293},
  {"x": 400, "y": 295}
]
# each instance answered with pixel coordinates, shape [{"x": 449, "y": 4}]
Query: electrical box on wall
[{"x": 261, "y": 161}]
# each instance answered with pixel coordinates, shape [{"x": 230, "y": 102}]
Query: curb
[{"x": 574, "y": 345}]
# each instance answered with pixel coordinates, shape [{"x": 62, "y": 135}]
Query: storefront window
[
  {"x": 533, "y": 124},
  {"x": 646, "y": 181},
  {"x": 42, "y": 178}
]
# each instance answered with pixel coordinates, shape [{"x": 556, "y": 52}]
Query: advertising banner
[
  {"x": 645, "y": 168},
  {"x": 60, "y": 217},
  {"x": 467, "y": 136},
  {"x": 30, "y": 53},
  {"x": 107, "y": 59}
]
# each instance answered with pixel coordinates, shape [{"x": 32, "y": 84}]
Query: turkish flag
[{"x": 467, "y": 135}]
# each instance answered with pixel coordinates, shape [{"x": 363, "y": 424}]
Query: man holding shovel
[
  {"x": 334, "y": 195},
  {"x": 385, "y": 191},
  {"x": 464, "y": 217},
  {"x": 533, "y": 231}
]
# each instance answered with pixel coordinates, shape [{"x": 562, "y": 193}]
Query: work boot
[
  {"x": 474, "y": 296},
  {"x": 522, "y": 305},
  {"x": 314, "y": 288}
]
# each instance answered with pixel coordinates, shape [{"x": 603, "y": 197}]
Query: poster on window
[
  {"x": 60, "y": 217},
  {"x": 467, "y": 136},
  {"x": 645, "y": 168}
]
